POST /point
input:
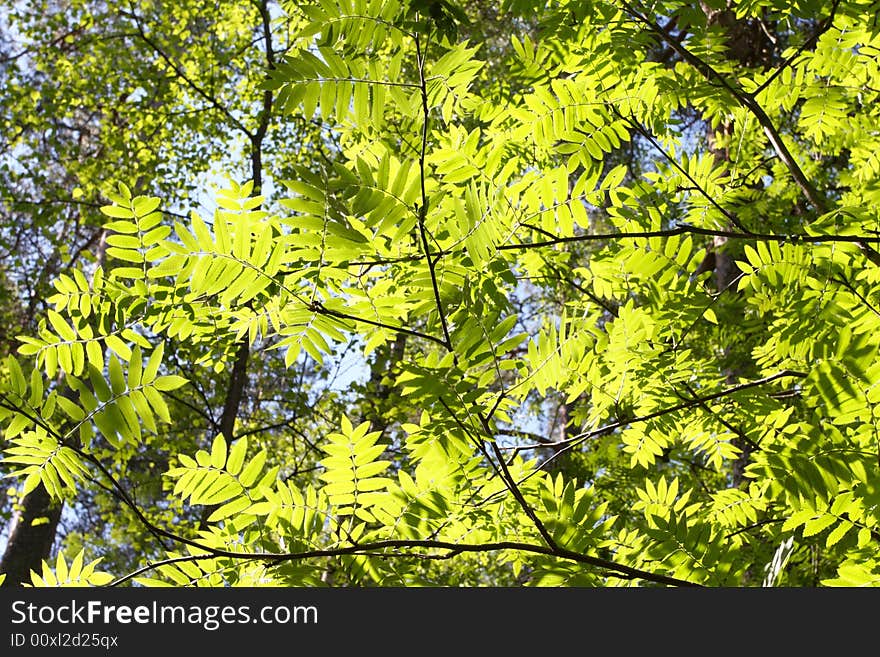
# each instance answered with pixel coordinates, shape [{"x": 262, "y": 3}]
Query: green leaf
[
  {"x": 218, "y": 451},
  {"x": 236, "y": 456},
  {"x": 144, "y": 205},
  {"x": 253, "y": 469},
  {"x": 65, "y": 332},
  {"x": 838, "y": 533},
  {"x": 117, "y": 376},
  {"x": 230, "y": 509},
  {"x": 169, "y": 382},
  {"x": 117, "y": 211},
  {"x": 115, "y": 343},
  {"x": 816, "y": 525}
]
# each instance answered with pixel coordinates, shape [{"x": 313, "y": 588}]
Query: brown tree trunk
[
  {"x": 30, "y": 543},
  {"x": 748, "y": 43},
  {"x": 238, "y": 377},
  {"x": 31, "y": 536}
]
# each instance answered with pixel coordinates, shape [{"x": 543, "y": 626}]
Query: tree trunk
[
  {"x": 749, "y": 44},
  {"x": 31, "y": 536},
  {"x": 30, "y": 543}
]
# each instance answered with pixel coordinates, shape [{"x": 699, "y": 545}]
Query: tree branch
[
  {"x": 568, "y": 443},
  {"x": 683, "y": 229},
  {"x": 823, "y": 27},
  {"x": 423, "y": 207},
  {"x": 613, "y": 569},
  {"x": 183, "y": 76},
  {"x": 732, "y": 218},
  {"x": 745, "y": 99}
]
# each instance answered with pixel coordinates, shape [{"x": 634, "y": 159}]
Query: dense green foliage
[{"x": 615, "y": 283}]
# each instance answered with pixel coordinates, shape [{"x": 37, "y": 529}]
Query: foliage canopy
[{"x": 524, "y": 242}]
